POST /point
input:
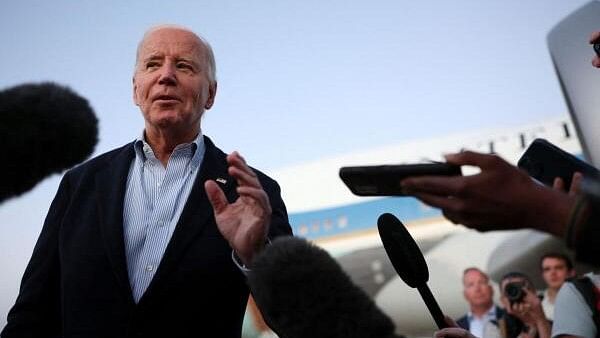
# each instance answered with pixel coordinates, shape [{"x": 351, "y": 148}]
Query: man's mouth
[{"x": 166, "y": 98}]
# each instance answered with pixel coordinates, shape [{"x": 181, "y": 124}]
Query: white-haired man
[{"x": 143, "y": 241}]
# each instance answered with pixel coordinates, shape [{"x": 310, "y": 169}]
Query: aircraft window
[
  {"x": 342, "y": 222},
  {"x": 566, "y": 130},
  {"x": 303, "y": 230},
  {"x": 522, "y": 139},
  {"x": 315, "y": 226},
  {"x": 491, "y": 145},
  {"x": 327, "y": 225},
  {"x": 379, "y": 278}
]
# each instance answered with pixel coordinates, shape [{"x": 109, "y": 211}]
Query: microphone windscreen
[
  {"x": 403, "y": 251},
  {"x": 44, "y": 129},
  {"x": 302, "y": 292}
]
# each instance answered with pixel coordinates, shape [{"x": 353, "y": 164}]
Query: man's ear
[
  {"x": 134, "y": 91},
  {"x": 212, "y": 92}
]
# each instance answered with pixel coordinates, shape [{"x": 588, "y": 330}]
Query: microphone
[
  {"x": 302, "y": 292},
  {"x": 44, "y": 129},
  {"x": 408, "y": 260}
]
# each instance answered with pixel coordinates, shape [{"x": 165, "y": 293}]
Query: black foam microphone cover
[
  {"x": 403, "y": 251},
  {"x": 44, "y": 129},
  {"x": 302, "y": 292},
  {"x": 408, "y": 260}
]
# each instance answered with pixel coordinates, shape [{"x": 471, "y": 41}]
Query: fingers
[
  {"x": 258, "y": 194},
  {"x": 216, "y": 196},
  {"x": 241, "y": 171},
  {"x": 453, "y": 332},
  {"x": 575, "y": 187},
  {"x": 450, "y": 322},
  {"x": 435, "y": 185},
  {"x": 437, "y": 201},
  {"x": 558, "y": 184},
  {"x": 484, "y": 161}
]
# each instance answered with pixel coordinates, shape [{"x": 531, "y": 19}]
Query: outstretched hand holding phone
[{"x": 500, "y": 197}]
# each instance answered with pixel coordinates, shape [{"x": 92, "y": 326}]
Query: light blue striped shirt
[{"x": 154, "y": 199}]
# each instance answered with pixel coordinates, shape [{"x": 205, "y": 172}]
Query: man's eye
[
  {"x": 152, "y": 65},
  {"x": 182, "y": 65}
]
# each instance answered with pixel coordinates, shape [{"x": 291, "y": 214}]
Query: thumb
[
  {"x": 450, "y": 321},
  {"x": 215, "y": 196}
]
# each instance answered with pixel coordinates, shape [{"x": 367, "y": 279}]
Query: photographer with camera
[{"x": 525, "y": 316}]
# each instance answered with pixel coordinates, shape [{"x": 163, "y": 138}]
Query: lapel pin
[{"x": 221, "y": 180}]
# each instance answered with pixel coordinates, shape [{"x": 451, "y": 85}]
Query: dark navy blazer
[{"x": 76, "y": 283}]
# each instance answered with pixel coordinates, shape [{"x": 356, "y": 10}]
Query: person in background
[
  {"x": 483, "y": 315},
  {"x": 524, "y": 314},
  {"x": 556, "y": 269}
]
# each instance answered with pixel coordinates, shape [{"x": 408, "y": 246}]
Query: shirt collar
[
  {"x": 143, "y": 151},
  {"x": 490, "y": 313}
]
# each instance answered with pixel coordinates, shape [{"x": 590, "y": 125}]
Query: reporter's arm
[{"x": 500, "y": 197}]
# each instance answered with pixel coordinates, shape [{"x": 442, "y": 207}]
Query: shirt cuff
[{"x": 238, "y": 262}]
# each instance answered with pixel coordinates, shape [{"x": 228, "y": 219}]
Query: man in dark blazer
[{"x": 89, "y": 274}]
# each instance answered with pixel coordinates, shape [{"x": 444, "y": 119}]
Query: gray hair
[{"x": 210, "y": 56}]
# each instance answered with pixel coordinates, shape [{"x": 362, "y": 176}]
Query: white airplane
[{"x": 323, "y": 210}]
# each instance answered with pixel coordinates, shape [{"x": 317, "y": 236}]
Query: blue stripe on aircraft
[{"x": 356, "y": 217}]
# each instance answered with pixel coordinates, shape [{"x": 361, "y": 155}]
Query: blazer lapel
[
  {"x": 110, "y": 187},
  {"x": 197, "y": 212}
]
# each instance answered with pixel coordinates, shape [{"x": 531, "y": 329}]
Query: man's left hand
[{"x": 245, "y": 222}]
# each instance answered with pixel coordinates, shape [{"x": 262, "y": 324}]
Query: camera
[{"x": 514, "y": 292}]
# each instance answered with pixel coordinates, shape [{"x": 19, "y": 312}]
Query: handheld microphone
[
  {"x": 408, "y": 260},
  {"x": 44, "y": 129},
  {"x": 302, "y": 292}
]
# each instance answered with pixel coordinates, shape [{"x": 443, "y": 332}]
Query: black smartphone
[
  {"x": 544, "y": 161},
  {"x": 384, "y": 180}
]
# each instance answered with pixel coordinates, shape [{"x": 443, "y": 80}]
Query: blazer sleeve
[
  {"x": 37, "y": 310},
  {"x": 280, "y": 224}
]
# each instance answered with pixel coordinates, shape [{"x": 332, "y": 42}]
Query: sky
[{"x": 298, "y": 80}]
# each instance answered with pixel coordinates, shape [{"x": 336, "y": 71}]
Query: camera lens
[{"x": 514, "y": 292}]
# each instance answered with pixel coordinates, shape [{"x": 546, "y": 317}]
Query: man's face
[
  {"x": 555, "y": 272},
  {"x": 171, "y": 84},
  {"x": 477, "y": 290}
]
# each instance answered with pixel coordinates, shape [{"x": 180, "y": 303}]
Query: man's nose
[{"x": 167, "y": 75}]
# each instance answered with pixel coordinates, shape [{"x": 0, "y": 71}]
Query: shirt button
[{"x": 149, "y": 267}]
